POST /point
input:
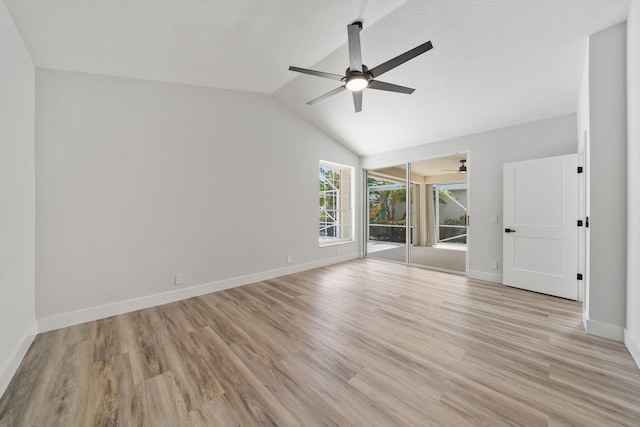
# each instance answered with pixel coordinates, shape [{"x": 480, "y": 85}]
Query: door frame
[{"x": 407, "y": 165}]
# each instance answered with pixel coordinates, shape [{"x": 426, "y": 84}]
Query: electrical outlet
[
  {"x": 493, "y": 219},
  {"x": 289, "y": 259},
  {"x": 494, "y": 264},
  {"x": 179, "y": 279}
]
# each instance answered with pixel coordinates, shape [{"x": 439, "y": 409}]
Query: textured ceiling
[
  {"x": 495, "y": 63},
  {"x": 243, "y": 44}
]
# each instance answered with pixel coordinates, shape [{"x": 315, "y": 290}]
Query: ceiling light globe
[{"x": 357, "y": 83}]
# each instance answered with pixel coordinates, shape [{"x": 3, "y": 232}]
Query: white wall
[
  {"x": 138, "y": 181},
  {"x": 608, "y": 181},
  {"x": 17, "y": 83},
  {"x": 488, "y": 152},
  {"x": 632, "y": 336}
]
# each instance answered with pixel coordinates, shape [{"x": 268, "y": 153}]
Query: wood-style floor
[{"x": 363, "y": 343}]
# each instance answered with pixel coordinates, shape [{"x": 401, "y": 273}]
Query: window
[{"x": 335, "y": 203}]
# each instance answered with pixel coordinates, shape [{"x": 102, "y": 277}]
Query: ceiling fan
[
  {"x": 461, "y": 169},
  {"x": 358, "y": 76}
]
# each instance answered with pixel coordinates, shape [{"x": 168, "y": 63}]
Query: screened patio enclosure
[{"x": 451, "y": 217}]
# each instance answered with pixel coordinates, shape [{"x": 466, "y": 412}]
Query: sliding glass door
[
  {"x": 422, "y": 222},
  {"x": 387, "y": 213}
]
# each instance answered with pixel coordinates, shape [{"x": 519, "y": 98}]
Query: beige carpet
[{"x": 447, "y": 259}]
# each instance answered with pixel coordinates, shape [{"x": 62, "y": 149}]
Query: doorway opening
[{"x": 423, "y": 223}]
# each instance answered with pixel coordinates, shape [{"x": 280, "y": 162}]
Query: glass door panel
[
  {"x": 439, "y": 214},
  {"x": 387, "y": 214}
]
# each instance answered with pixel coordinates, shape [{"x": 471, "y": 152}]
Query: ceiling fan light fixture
[
  {"x": 356, "y": 83},
  {"x": 463, "y": 166}
]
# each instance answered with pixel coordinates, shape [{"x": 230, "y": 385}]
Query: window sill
[{"x": 335, "y": 242}]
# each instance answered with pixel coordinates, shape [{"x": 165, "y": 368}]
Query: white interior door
[{"x": 540, "y": 218}]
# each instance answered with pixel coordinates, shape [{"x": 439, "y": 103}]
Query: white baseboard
[
  {"x": 8, "y": 370},
  {"x": 113, "y": 309},
  {"x": 605, "y": 330},
  {"x": 483, "y": 275},
  {"x": 633, "y": 346}
]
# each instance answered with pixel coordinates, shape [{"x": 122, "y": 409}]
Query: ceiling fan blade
[
  {"x": 376, "y": 84},
  {"x": 326, "y": 95},
  {"x": 357, "y": 100},
  {"x": 355, "y": 53},
  {"x": 317, "y": 73},
  {"x": 400, "y": 59}
]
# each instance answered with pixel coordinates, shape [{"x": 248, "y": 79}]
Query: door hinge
[
  {"x": 579, "y": 276},
  {"x": 586, "y": 224},
  {"x": 580, "y": 169},
  {"x": 580, "y": 223}
]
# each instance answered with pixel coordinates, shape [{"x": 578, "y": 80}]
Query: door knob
[{"x": 508, "y": 230}]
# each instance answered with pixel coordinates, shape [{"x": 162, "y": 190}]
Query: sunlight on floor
[{"x": 451, "y": 246}]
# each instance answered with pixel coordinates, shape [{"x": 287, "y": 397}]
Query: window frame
[{"x": 343, "y": 216}]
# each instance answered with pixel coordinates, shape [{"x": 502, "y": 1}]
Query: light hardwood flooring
[{"x": 363, "y": 343}]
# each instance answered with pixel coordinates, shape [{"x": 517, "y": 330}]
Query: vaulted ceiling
[{"x": 495, "y": 63}]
